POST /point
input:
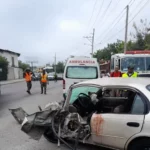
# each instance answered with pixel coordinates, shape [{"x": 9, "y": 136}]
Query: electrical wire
[
  {"x": 139, "y": 11},
  {"x": 119, "y": 17},
  {"x": 110, "y": 12},
  {"x": 108, "y": 31},
  {"x": 132, "y": 3},
  {"x": 136, "y": 6},
  {"x": 92, "y": 12},
  {"x": 116, "y": 19},
  {"x": 98, "y": 13},
  {"x": 130, "y": 20},
  {"x": 129, "y": 2},
  {"x": 107, "y": 9}
]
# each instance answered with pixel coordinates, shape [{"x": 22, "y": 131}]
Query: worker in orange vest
[
  {"x": 44, "y": 81},
  {"x": 28, "y": 77}
]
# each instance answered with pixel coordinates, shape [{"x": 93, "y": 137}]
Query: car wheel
[
  {"x": 143, "y": 144},
  {"x": 49, "y": 135}
]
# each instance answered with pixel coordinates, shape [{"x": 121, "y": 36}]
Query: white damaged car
[{"x": 108, "y": 112}]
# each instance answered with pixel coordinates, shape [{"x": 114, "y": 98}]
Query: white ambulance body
[{"x": 79, "y": 69}]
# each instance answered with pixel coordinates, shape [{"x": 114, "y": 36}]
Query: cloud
[
  {"x": 39, "y": 29},
  {"x": 70, "y": 25}
]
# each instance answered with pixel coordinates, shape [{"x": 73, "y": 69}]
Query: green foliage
[
  {"x": 23, "y": 66},
  {"x": 4, "y": 66},
  {"x": 141, "y": 41},
  {"x": 59, "y": 67},
  {"x": 106, "y": 52},
  {"x": 141, "y": 36}
]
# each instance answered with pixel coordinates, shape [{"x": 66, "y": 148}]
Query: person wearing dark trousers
[
  {"x": 55, "y": 77},
  {"x": 44, "y": 82},
  {"x": 28, "y": 77}
]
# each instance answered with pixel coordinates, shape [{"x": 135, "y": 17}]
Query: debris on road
[{"x": 35, "y": 124}]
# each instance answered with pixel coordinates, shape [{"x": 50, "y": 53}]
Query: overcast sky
[{"x": 38, "y": 29}]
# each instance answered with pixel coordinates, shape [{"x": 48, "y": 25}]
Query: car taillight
[{"x": 64, "y": 84}]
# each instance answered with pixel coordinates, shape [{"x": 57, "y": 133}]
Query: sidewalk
[{"x": 11, "y": 81}]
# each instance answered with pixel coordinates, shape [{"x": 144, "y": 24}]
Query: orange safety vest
[
  {"x": 28, "y": 77},
  {"x": 44, "y": 78}
]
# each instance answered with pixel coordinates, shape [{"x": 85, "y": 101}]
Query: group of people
[
  {"x": 43, "y": 80},
  {"x": 129, "y": 73}
]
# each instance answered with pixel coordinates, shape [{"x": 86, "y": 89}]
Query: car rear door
[{"x": 115, "y": 129}]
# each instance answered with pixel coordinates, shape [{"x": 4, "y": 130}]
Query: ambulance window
[
  {"x": 112, "y": 63},
  {"x": 119, "y": 63},
  {"x": 82, "y": 72}
]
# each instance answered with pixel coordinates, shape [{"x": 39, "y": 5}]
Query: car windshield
[
  {"x": 84, "y": 89},
  {"x": 138, "y": 62},
  {"x": 148, "y": 63},
  {"x": 82, "y": 72}
]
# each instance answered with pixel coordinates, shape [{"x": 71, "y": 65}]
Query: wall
[
  {"x": 14, "y": 73},
  {"x": 9, "y": 58}
]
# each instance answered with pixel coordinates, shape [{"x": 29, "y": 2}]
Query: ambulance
[{"x": 78, "y": 69}]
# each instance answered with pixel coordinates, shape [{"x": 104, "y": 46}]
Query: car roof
[{"x": 133, "y": 82}]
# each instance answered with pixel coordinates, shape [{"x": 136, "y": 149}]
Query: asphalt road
[{"x": 14, "y": 96}]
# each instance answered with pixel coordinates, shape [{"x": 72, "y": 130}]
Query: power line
[
  {"x": 129, "y": 2},
  {"x": 132, "y": 3},
  {"x": 136, "y": 6},
  {"x": 119, "y": 17},
  {"x": 98, "y": 13},
  {"x": 111, "y": 11},
  {"x": 92, "y": 12},
  {"x": 130, "y": 20},
  {"x": 139, "y": 11},
  {"x": 104, "y": 13}
]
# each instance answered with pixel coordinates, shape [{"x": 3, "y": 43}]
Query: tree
[
  {"x": 23, "y": 66},
  {"x": 59, "y": 67},
  {"x": 141, "y": 36},
  {"x": 4, "y": 66},
  {"x": 140, "y": 41},
  {"x": 106, "y": 52}
]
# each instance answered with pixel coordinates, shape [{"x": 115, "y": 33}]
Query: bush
[
  {"x": 4, "y": 66},
  {"x": 23, "y": 66}
]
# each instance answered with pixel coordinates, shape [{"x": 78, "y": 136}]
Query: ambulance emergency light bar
[{"x": 138, "y": 52}]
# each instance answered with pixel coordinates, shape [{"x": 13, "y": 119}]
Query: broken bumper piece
[{"x": 37, "y": 123}]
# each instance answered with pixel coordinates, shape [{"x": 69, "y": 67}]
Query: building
[{"x": 14, "y": 72}]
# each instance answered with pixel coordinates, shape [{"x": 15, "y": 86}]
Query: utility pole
[
  {"x": 91, "y": 39},
  {"x": 126, "y": 29},
  {"x": 31, "y": 63},
  {"x": 55, "y": 63}
]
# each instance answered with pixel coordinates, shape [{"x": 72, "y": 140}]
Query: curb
[{"x": 11, "y": 82}]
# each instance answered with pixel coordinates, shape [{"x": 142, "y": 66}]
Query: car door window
[{"x": 138, "y": 105}]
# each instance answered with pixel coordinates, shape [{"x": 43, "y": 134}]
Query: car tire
[
  {"x": 49, "y": 135},
  {"x": 142, "y": 144}
]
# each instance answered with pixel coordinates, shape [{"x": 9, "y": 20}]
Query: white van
[{"x": 79, "y": 69}]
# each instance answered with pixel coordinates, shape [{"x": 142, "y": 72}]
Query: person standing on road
[
  {"x": 130, "y": 73},
  {"x": 44, "y": 81},
  {"x": 28, "y": 77},
  {"x": 116, "y": 73},
  {"x": 55, "y": 77}
]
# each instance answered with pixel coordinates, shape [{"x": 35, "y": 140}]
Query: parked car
[
  {"x": 50, "y": 76},
  {"x": 92, "y": 114},
  {"x": 36, "y": 77}
]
